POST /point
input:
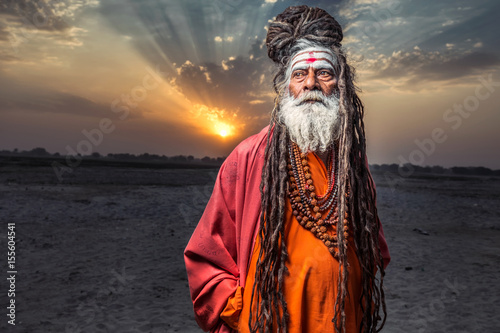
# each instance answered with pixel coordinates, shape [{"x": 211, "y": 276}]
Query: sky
[{"x": 192, "y": 77}]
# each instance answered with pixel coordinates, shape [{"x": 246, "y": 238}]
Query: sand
[{"x": 102, "y": 250}]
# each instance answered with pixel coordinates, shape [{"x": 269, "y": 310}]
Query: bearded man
[{"x": 290, "y": 240}]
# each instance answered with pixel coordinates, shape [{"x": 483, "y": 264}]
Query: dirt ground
[{"x": 101, "y": 251}]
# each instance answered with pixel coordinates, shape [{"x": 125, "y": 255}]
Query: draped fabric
[
  {"x": 311, "y": 287},
  {"x": 218, "y": 254}
]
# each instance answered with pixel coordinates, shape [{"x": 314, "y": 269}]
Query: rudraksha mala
[{"x": 309, "y": 207}]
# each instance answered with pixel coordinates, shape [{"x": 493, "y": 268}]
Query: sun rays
[{"x": 215, "y": 121}]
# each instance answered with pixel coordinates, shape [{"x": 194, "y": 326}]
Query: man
[{"x": 290, "y": 240}]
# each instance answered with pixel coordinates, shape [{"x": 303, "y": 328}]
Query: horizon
[
  {"x": 193, "y": 78},
  {"x": 218, "y": 159}
]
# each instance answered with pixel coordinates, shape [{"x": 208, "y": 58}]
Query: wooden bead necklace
[{"x": 307, "y": 206}]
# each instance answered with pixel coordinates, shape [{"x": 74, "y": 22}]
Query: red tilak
[{"x": 310, "y": 60}]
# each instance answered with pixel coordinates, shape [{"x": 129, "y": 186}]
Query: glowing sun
[
  {"x": 223, "y": 129},
  {"x": 214, "y": 121}
]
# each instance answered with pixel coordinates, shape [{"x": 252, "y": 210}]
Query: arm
[
  {"x": 218, "y": 252},
  {"x": 210, "y": 256}
]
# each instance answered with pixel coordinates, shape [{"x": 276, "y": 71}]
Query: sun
[
  {"x": 223, "y": 129},
  {"x": 215, "y": 122}
]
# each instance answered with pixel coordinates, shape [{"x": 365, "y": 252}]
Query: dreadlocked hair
[{"x": 317, "y": 26}]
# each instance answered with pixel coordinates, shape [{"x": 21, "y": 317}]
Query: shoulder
[
  {"x": 245, "y": 161},
  {"x": 250, "y": 148}
]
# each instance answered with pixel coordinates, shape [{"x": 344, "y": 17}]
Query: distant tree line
[
  {"x": 436, "y": 169},
  {"x": 146, "y": 157}
]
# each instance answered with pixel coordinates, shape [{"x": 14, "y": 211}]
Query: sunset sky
[{"x": 193, "y": 78}]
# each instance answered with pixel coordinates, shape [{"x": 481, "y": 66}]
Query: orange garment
[{"x": 310, "y": 288}]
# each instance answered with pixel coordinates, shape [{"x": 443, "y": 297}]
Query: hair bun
[{"x": 298, "y": 22}]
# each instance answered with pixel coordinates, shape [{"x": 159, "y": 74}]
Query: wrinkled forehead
[{"x": 316, "y": 57}]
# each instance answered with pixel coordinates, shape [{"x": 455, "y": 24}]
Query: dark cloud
[
  {"x": 32, "y": 14},
  {"x": 461, "y": 66},
  {"x": 181, "y": 37},
  {"x": 383, "y": 27},
  {"x": 46, "y": 101},
  {"x": 8, "y": 57},
  {"x": 35, "y": 20},
  {"x": 419, "y": 66},
  {"x": 232, "y": 84},
  {"x": 241, "y": 86},
  {"x": 4, "y": 33},
  {"x": 177, "y": 31},
  {"x": 480, "y": 24}
]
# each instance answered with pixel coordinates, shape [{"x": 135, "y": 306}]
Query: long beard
[{"x": 312, "y": 126}]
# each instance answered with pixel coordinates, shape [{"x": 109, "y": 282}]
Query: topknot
[{"x": 298, "y": 22}]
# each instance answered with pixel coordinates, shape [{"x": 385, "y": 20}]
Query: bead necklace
[{"x": 307, "y": 206}]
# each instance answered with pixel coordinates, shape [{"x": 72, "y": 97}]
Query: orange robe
[
  {"x": 219, "y": 253},
  {"x": 310, "y": 288}
]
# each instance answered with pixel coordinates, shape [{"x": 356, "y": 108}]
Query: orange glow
[
  {"x": 223, "y": 129},
  {"x": 215, "y": 121}
]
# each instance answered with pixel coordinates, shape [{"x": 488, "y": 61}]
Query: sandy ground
[{"x": 102, "y": 250}]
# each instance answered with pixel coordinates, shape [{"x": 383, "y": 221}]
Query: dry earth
[{"x": 101, "y": 251}]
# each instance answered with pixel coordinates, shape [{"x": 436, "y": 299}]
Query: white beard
[{"x": 312, "y": 126}]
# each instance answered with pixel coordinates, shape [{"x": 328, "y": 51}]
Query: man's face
[
  {"x": 312, "y": 69},
  {"x": 310, "y": 79},
  {"x": 311, "y": 109}
]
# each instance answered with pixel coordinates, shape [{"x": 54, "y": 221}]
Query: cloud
[
  {"x": 387, "y": 26},
  {"x": 16, "y": 98},
  {"x": 4, "y": 31},
  {"x": 355, "y": 10},
  {"x": 413, "y": 70},
  {"x": 219, "y": 39},
  {"x": 469, "y": 24},
  {"x": 25, "y": 20},
  {"x": 449, "y": 22},
  {"x": 34, "y": 15},
  {"x": 72, "y": 37},
  {"x": 199, "y": 31},
  {"x": 236, "y": 86},
  {"x": 4, "y": 57}
]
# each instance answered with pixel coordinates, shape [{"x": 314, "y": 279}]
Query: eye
[
  {"x": 324, "y": 73},
  {"x": 298, "y": 74}
]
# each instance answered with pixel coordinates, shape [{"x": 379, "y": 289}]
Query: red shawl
[{"x": 219, "y": 251}]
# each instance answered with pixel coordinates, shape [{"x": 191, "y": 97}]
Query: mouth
[{"x": 311, "y": 101}]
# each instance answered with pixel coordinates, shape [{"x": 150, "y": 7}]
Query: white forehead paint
[{"x": 315, "y": 56}]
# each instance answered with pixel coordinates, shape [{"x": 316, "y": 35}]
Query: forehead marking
[
  {"x": 308, "y": 57},
  {"x": 309, "y": 61},
  {"x": 311, "y": 53}
]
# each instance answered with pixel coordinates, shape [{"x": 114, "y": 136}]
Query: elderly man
[{"x": 290, "y": 240}]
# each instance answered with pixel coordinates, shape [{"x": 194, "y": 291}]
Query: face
[
  {"x": 311, "y": 109},
  {"x": 310, "y": 78}
]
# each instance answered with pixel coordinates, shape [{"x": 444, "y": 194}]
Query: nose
[{"x": 311, "y": 82}]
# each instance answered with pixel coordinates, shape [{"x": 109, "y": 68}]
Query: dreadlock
[{"x": 317, "y": 26}]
